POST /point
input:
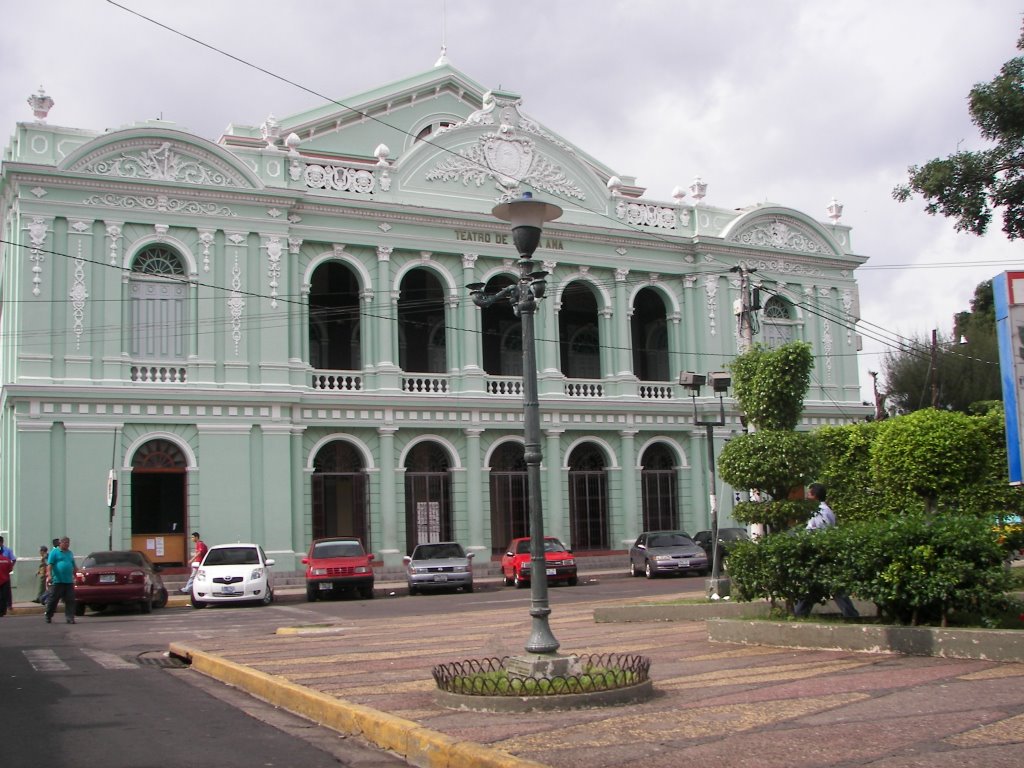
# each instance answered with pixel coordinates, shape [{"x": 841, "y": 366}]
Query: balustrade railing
[
  {"x": 584, "y": 389},
  {"x": 158, "y": 374},
  {"x": 500, "y": 386},
  {"x": 655, "y": 391},
  {"x": 337, "y": 381},
  {"x": 426, "y": 385}
]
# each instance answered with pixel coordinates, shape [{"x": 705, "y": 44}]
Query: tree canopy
[
  {"x": 966, "y": 365},
  {"x": 968, "y": 186}
]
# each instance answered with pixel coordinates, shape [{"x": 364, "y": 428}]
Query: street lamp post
[
  {"x": 720, "y": 382},
  {"x": 527, "y": 217}
]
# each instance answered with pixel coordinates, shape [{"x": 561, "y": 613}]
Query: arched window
[
  {"x": 159, "y": 308},
  {"x": 334, "y": 319},
  {"x": 778, "y": 326}
]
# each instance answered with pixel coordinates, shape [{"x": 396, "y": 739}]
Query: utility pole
[
  {"x": 744, "y": 309},
  {"x": 935, "y": 365}
]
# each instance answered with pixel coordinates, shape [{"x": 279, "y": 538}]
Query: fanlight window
[{"x": 157, "y": 260}]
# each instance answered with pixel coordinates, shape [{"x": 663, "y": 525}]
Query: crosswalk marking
[
  {"x": 108, "y": 660},
  {"x": 45, "y": 660}
]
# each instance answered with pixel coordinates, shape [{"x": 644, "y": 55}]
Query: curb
[
  {"x": 1005, "y": 645},
  {"x": 418, "y": 745}
]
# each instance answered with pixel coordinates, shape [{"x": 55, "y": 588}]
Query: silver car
[
  {"x": 440, "y": 565},
  {"x": 666, "y": 552}
]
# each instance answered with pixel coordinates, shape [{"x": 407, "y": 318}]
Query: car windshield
[
  {"x": 324, "y": 549},
  {"x": 232, "y": 556},
  {"x": 670, "y": 540},
  {"x": 129, "y": 559},
  {"x": 437, "y": 552}
]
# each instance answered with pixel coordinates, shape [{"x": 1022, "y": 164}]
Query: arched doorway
[
  {"x": 339, "y": 492},
  {"x": 659, "y": 484},
  {"x": 428, "y": 494},
  {"x": 159, "y": 502},
  {"x": 588, "y": 498},
  {"x": 510, "y": 513}
]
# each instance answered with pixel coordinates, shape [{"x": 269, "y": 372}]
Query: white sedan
[{"x": 233, "y": 573}]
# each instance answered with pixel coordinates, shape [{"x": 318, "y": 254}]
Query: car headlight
[
  {"x": 524, "y": 567},
  {"x": 257, "y": 573},
  {"x": 318, "y": 571},
  {"x": 662, "y": 558},
  {"x": 460, "y": 569},
  {"x": 361, "y": 569},
  {"x": 419, "y": 570},
  {"x": 201, "y": 574}
]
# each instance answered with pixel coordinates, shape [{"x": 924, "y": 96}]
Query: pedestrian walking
[
  {"x": 6, "y": 551},
  {"x": 6, "y": 566},
  {"x": 197, "y": 558},
  {"x": 41, "y": 576},
  {"x": 824, "y": 518},
  {"x": 60, "y": 579}
]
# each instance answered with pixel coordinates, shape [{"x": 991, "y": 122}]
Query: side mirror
[
  {"x": 470, "y": 555},
  {"x": 305, "y": 561},
  {"x": 270, "y": 563},
  {"x": 195, "y": 565},
  {"x": 370, "y": 556},
  {"x": 510, "y": 554},
  {"x": 407, "y": 559}
]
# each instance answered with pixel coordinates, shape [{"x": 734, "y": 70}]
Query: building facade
[{"x": 270, "y": 338}]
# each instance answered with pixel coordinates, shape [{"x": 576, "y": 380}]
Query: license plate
[
  {"x": 684, "y": 563},
  {"x": 326, "y": 585},
  {"x": 440, "y": 578},
  {"x": 552, "y": 571},
  {"x": 107, "y": 578},
  {"x": 229, "y": 591}
]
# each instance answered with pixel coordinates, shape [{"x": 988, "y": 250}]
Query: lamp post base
[
  {"x": 717, "y": 586},
  {"x": 543, "y": 665}
]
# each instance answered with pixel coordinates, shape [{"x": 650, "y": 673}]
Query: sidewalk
[{"x": 717, "y": 704}]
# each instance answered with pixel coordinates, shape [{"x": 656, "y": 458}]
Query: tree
[
  {"x": 967, "y": 186},
  {"x": 966, "y": 368},
  {"x": 770, "y": 385},
  {"x": 928, "y": 454}
]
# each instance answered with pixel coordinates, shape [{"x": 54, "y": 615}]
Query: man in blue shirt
[
  {"x": 6, "y": 551},
  {"x": 824, "y": 518},
  {"x": 60, "y": 578}
]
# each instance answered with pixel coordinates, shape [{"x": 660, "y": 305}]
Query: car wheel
[
  {"x": 648, "y": 571},
  {"x": 196, "y": 603},
  {"x": 367, "y": 592},
  {"x": 507, "y": 580},
  {"x": 146, "y": 606},
  {"x": 311, "y": 593},
  {"x": 79, "y": 609},
  {"x": 469, "y": 587},
  {"x": 633, "y": 570},
  {"x": 518, "y": 581},
  {"x": 413, "y": 590},
  {"x": 161, "y": 599},
  {"x": 268, "y": 597},
  {"x": 573, "y": 581}
]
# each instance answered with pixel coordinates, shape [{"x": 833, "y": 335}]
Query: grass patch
[{"x": 499, "y": 683}]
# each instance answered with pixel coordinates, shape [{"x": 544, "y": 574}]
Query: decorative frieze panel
[
  {"x": 161, "y": 203},
  {"x": 78, "y": 296},
  {"x": 653, "y": 216},
  {"x": 161, "y": 161},
  {"x": 274, "y": 249},
  {"x": 780, "y": 266},
  {"x": 334, "y": 177},
  {"x": 236, "y": 304},
  {"x": 782, "y": 234}
]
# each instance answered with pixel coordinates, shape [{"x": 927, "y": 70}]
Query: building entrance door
[{"x": 159, "y": 503}]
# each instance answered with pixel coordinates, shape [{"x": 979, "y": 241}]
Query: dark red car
[
  {"x": 126, "y": 577},
  {"x": 561, "y": 565},
  {"x": 336, "y": 565}
]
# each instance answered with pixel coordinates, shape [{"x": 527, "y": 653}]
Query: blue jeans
[
  {"x": 58, "y": 592},
  {"x": 846, "y": 607}
]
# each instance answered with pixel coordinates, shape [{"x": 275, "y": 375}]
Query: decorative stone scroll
[
  {"x": 653, "y": 216},
  {"x": 236, "y": 304},
  {"x": 274, "y": 251},
  {"x": 336, "y": 177},
  {"x": 78, "y": 296},
  {"x": 782, "y": 234},
  {"x": 161, "y": 203},
  {"x": 38, "y": 229},
  {"x": 163, "y": 161}
]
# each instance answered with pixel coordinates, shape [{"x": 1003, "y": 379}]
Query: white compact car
[{"x": 233, "y": 573}]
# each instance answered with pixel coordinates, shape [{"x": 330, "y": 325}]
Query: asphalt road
[{"x": 103, "y": 692}]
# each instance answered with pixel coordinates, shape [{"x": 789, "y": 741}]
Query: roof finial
[{"x": 443, "y": 58}]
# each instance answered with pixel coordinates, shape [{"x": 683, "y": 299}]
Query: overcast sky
[{"x": 775, "y": 100}]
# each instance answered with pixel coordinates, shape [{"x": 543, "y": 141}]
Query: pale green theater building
[{"x": 269, "y": 338}]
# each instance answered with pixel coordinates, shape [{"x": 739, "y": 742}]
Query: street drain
[{"x": 161, "y": 659}]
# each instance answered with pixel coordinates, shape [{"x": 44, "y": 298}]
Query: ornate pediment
[
  {"x": 153, "y": 159},
  {"x": 507, "y": 156},
  {"x": 782, "y": 233}
]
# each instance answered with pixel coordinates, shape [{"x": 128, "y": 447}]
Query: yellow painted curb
[{"x": 418, "y": 745}]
